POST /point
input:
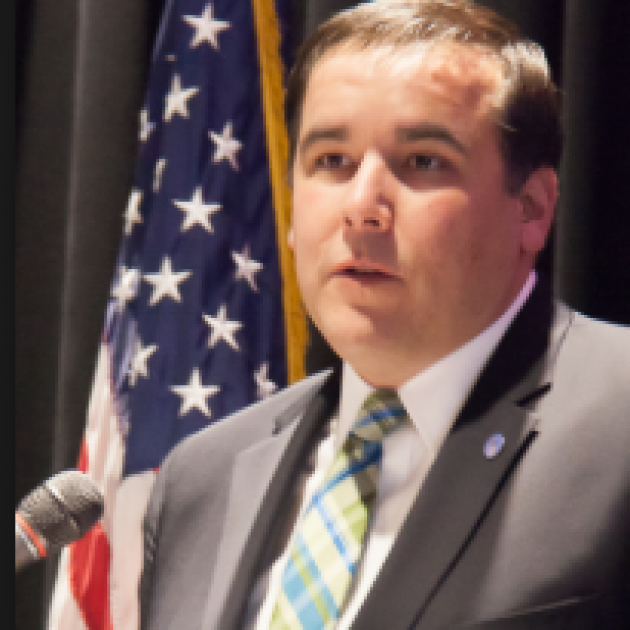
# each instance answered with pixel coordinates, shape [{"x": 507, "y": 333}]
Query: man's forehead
[{"x": 469, "y": 72}]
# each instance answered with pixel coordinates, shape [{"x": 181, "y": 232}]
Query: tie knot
[{"x": 380, "y": 413}]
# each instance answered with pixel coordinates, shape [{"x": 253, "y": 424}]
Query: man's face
[{"x": 406, "y": 242}]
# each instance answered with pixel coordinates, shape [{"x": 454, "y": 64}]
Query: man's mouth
[
  {"x": 352, "y": 271},
  {"x": 364, "y": 272}
]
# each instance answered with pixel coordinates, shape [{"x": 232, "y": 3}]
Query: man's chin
[{"x": 353, "y": 337}]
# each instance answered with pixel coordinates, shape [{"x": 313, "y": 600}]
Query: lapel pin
[{"x": 493, "y": 446}]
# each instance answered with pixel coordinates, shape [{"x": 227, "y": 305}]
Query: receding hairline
[
  {"x": 484, "y": 79},
  {"x": 398, "y": 24},
  {"x": 485, "y": 64}
]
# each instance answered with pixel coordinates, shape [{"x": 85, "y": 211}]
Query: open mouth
[{"x": 364, "y": 273}]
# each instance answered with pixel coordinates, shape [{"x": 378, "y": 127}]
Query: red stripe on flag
[
  {"x": 82, "y": 463},
  {"x": 89, "y": 578},
  {"x": 88, "y": 570}
]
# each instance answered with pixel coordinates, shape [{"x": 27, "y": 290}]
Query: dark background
[{"x": 81, "y": 68}]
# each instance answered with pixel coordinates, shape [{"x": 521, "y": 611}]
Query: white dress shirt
[{"x": 433, "y": 400}]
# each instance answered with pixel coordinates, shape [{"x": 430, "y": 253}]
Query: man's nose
[{"x": 369, "y": 205}]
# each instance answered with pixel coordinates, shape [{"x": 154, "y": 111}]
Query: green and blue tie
[{"x": 327, "y": 543}]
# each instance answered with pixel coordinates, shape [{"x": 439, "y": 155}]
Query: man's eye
[
  {"x": 332, "y": 161},
  {"x": 425, "y": 162}
]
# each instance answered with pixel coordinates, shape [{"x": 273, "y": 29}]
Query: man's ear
[
  {"x": 291, "y": 239},
  {"x": 538, "y": 202}
]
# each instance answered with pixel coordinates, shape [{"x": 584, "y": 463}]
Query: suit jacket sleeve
[{"x": 150, "y": 537}]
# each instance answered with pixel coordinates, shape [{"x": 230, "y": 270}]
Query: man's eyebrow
[
  {"x": 429, "y": 131},
  {"x": 317, "y": 134}
]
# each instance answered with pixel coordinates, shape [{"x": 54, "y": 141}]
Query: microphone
[{"x": 56, "y": 513}]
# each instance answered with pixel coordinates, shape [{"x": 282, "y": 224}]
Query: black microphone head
[{"x": 63, "y": 508}]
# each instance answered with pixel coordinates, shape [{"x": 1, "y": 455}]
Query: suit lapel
[
  {"x": 463, "y": 482},
  {"x": 260, "y": 480},
  {"x": 452, "y": 501}
]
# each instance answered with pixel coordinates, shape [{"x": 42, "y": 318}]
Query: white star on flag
[
  {"x": 194, "y": 394},
  {"x": 160, "y": 165},
  {"x": 177, "y": 99},
  {"x": 139, "y": 361},
  {"x": 246, "y": 267},
  {"x": 126, "y": 288},
  {"x": 166, "y": 282},
  {"x": 146, "y": 126},
  {"x": 226, "y": 146},
  {"x": 222, "y": 329},
  {"x": 206, "y": 27},
  {"x": 197, "y": 211},
  {"x": 266, "y": 387},
  {"x": 132, "y": 213}
]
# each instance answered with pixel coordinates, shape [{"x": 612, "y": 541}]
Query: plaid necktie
[{"x": 327, "y": 544}]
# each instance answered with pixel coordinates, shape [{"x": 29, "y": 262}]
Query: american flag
[{"x": 198, "y": 318}]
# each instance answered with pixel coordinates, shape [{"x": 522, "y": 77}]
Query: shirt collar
[{"x": 434, "y": 397}]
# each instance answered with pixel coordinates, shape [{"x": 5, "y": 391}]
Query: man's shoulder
[
  {"x": 254, "y": 423},
  {"x": 593, "y": 360},
  {"x": 595, "y": 338}
]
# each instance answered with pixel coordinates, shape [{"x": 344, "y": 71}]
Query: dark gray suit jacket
[{"x": 536, "y": 538}]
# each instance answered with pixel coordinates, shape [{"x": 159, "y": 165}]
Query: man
[{"x": 426, "y": 139}]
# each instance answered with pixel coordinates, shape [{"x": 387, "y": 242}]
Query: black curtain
[{"x": 81, "y": 69}]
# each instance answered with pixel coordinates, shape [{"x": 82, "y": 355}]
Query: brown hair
[{"x": 529, "y": 111}]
